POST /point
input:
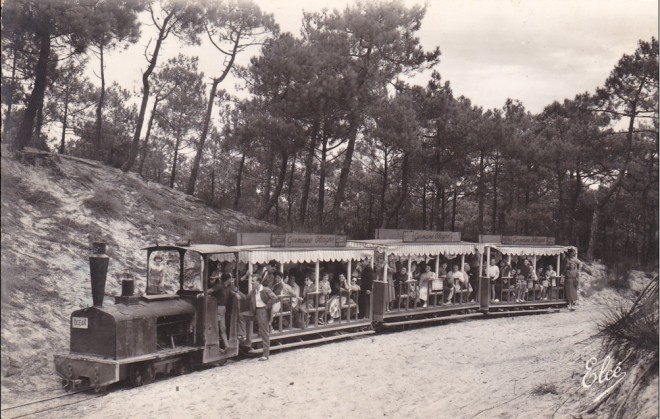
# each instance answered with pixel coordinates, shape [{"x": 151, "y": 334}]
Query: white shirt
[
  {"x": 493, "y": 271},
  {"x": 260, "y": 302}
]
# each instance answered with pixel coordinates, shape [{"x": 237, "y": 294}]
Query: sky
[{"x": 536, "y": 51}]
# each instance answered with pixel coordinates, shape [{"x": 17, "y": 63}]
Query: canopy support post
[
  {"x": 250, "y": 271},
  {"x": 559, "y": 264},
  {"x": 317, "y": 273}
]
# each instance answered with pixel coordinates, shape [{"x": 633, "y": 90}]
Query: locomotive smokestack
[{"x": 98, "y": 268}]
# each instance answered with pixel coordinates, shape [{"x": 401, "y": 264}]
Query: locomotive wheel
[
  {"x": 136, "y": 375},
  {"x": 141, "y": 374}
]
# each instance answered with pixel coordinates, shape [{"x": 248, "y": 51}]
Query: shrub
[
  {"x": 631, "y": 335},
  {"x": 103, "y": 204},
  {"x": 618, "y": 275}
]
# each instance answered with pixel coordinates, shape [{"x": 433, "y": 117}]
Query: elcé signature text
[{"x": 602, "y": 376}]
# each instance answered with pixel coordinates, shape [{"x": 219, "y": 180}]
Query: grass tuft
[{"x": 545, "y": 388}]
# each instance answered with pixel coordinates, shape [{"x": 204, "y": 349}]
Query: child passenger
[{"x": 521, "y": 286}]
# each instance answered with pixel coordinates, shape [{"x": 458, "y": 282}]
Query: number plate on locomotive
[{"x": 79, "y": 322}]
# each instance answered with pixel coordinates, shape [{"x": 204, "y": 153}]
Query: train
[{"x": 172, "y": 327}]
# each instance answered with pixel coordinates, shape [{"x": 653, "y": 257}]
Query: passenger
[
  {"x": 391, "y": 289},
  {"x": 261, "y": 300},
  {"x": 505, "y": 280},
  {"x": 310, "y": 299},
  {"x": 277, "y": 288},
  {"x": 416, "y": 271},
  {"x": 268, "y": 280},
  {"x": 493, "y": 272},
  {"x": 442, "y": 272},
  {"x": 458, "y": 280},
  {"x": 528, "y": 271},
  {"x": 400, "y": 279},
  {"x": 470, "y": 282},
  {"x": 366, "y": 285},
  {"x": 220, "y": 288},
  {"x": 426, "y": 280},
  {"x": 343, "y": 300},
  {"x": 521, "y": 286},
  {"x": 551, "y": 279},
  {"x": 447, "y": 282},
  {"x": 324, "y": 289},
  {"x": 156, "y": 276},
  {"x": 571, "y": 283}
]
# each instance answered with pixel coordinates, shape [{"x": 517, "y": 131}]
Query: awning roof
[
  {"x": 204, "y": 249},
  {"x": 399, "y": 248},
  {"x": 532, "y": 250},
  {"x": 264, "y": 254}
]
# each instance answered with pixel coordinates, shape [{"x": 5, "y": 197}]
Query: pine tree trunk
[
  {"x": 174, "y": 160},
  {"x": 593, "y": 233},
  {"x": 383, "y": 192},
  {"x": 424, "y": 206},
  {"x": 321, "y": 201},
  {"x": 26, "y": 129},
  {"x": 495, "y": 176},
  {"x": 202, "y": 139},
  {"x": 8, "y": 122},
  {"x": 64, "y": 120},
  {"x": 346, "y": 166},
  {"x": 99, "y": 107},
  {"x": 239, "y": 178},
  {"x": 135, "y": 145},
  {"x": 290, "y": 189},
  {"x": 145, "y": 144},
  {"x": 453, "y": 210},
  {"x": 278, "y": 189}
]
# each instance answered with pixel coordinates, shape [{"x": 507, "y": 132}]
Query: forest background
[{"x": 331, "y": 130}]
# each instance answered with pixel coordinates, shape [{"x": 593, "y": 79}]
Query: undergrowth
[
  {"x": 631, "y": 334},
  {"x": 618, "y": 275},
  {"x": 545, "y": 388},
  {"x": 104, "y": 204}
]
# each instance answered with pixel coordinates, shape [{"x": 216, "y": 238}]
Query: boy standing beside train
[{"x": 261, "y": 300}]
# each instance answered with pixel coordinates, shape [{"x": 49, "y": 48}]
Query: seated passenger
[
  {"x": 343, "y": 300},
  {"x": 426, "y": 280},
  {"x": 400, "y": 279},
  {"x": 324, "y": 288}
]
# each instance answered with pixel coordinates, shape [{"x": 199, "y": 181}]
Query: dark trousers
[{"x": 263, "y": 322}]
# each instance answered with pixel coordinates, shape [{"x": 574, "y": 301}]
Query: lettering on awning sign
[
  {"x": 307, "y": 240},
  {"x": 423, "y": 236},
  {"x": 528, "y": 240}
]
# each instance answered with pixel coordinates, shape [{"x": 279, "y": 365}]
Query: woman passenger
[{"x": 425, "y": 281}]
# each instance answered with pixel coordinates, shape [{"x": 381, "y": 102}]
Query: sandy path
[{"x": 453, "y": 370}]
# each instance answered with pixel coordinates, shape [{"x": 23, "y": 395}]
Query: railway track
[{"x": 32, "y": 408}]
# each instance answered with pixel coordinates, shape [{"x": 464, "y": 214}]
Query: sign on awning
[
  {"x": 307, "y": 240},
  {"x": 423, "y": 236}
]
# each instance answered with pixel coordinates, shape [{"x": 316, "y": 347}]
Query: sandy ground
[{"x": 483, "y": 368}]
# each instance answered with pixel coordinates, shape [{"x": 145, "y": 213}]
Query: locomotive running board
[
  {"x": 311, "y": 342},
  {"x": 431, "y": 320}
]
